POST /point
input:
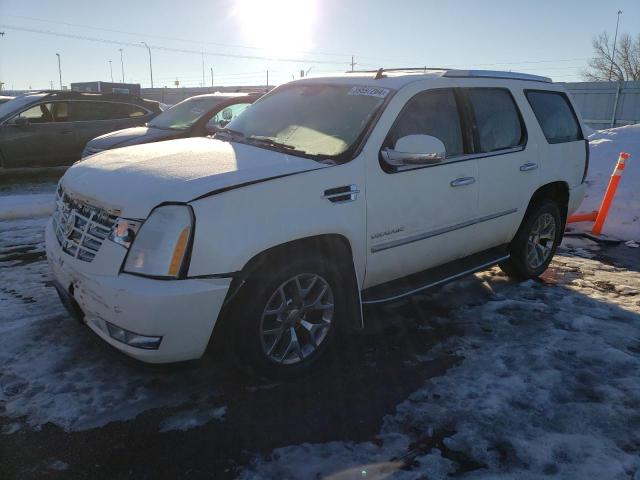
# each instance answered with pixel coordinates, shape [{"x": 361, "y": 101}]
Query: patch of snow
[
  {"x": 188, "y": 419},
  {"x": 52, "y": 369},
  {"x": 58, "y": 465},
  {"x": 623, "y": 220},
  {"x": 26, "y": 206},
  {"x": 548, "y": 386}
]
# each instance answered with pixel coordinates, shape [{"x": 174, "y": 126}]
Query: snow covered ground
[
  {"x": 546, "y": 382},
  {"x": 624, "y": 217},
  {"x": 547, "y": 385}
]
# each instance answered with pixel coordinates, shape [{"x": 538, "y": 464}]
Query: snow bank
[
  {"x": 624, "y": 217},
  {"x": 26, "y": 206}
]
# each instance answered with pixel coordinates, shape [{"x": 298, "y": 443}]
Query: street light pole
[
  {"x": 150, "y": 65},
  {"x": 111, "y": 70},
  {"x": 59, "y": 70},
  {"x": 615, "y": 40},
  {"x": 121, "y": 64}
]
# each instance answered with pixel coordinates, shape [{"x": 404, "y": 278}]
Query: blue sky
[{"x": 544, "y": 37}]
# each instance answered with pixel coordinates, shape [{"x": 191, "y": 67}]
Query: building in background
[{"x": 107, "y": 87}]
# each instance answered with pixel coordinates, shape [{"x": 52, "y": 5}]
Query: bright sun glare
[{"x": 279, "y": 27}]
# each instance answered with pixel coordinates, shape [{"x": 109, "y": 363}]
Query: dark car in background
[
  {"x": 194, "y": 117},
  {"x": 51, "y": 128}
]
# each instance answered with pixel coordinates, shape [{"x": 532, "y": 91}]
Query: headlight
[{"x": 161, "y": 245}]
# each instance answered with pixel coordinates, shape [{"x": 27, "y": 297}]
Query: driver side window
[
  {"x": 222, "y": 118},
  {"x": 41, "y": 113},
  {"x": 434, "y": 113}
]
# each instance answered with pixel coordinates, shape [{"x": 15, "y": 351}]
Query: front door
[
  {"x": 419, "y": 218},
  {"x": 36, "y": 137}
]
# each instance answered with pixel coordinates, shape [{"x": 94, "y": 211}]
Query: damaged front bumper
[{"x": 129, "y": 311}]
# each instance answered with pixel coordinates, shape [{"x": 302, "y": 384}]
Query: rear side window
[
  {"x": 497, "y": 119},
  {"x": 435, "y": 113},
  {"x": 555, "y": 115},
  {"x": 89, "y": 110}
]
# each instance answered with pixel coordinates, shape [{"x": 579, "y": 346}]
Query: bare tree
[{"x": 626, "y": 59}]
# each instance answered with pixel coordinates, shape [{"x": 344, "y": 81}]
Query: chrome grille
[{"x": 80, "y": 228}]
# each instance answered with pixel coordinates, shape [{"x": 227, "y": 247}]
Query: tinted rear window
[
  {"x": 555, "y": 115},
  {"x": 497, "y": 119}
]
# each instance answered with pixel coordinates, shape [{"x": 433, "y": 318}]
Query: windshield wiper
[
  {"x": 233, "y": 134},
  {"x": 273, "y": 143}
]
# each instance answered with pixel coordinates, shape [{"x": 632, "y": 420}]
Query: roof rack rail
[
  {"x": 397, "y": 69},
  {"x": 453, "y": 73},
  {"x": 496, "y": 74}
]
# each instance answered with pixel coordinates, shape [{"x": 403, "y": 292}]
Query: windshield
[
  {"x": 17, "y": 104},
  {"x": 184, "y": 114},
  {"x": 315, "y": 119}
]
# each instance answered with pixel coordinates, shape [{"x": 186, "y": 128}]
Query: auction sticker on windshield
[{"x": 369, "y": 91}]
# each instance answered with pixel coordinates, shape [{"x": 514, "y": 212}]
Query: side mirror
[
  {"x": 415, "y": 150},
  {"x": 20, "y": 121}
]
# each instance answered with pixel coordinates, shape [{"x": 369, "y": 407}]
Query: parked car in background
[
  {"x": 194, "y": 117},
  {"x": 5, "y": 98},
  {"x": 326, "y": 195},
  {"x": 51, "y": 128}
]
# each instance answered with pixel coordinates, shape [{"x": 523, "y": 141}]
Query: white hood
[{"x": 135, "y": 179}]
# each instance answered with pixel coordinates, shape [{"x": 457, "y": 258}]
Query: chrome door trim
[
  {"x": 440, "y": 231},
  {"x": 462, "y": 181},
  {"x": 527, "y": 167},
  {"x": 438, "y": 282}
]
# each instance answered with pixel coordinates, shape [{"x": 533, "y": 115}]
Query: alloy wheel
[
  {"x": 541, "y": 240},
  {"x": 297, "y": 319}
]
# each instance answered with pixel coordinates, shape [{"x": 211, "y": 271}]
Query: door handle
[
  {"x": 527, "y": 167},
  {"x": 462, "y": 181}
]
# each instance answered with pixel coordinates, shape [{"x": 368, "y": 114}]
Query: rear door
[
  {"x": 508, "y": 168},
  {"x": 92, "y": 118}
]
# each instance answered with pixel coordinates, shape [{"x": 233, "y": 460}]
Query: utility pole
[
  {"x": 203, "y": 84},
  {"x": 267, "y": 78},
  {"x": 121, "y": 64},
  {"x": 353, "y": 63},
  {"x": 615, "y": 40},
  {"x": 150, "y": 65},
  {"x": 111, "y": 70},
  {"x": 2, "y": 83},
  {"x": 51, "y": 83},
  {"x": 59, "y": 70},
  {"x": 211, "y": 76}
]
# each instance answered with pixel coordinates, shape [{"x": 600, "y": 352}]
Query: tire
[
  {"x": 536, "y": 241},
  {"x": 268, "y": 303}
]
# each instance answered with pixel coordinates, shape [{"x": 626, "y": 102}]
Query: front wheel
[
  {"x": 535, "y": 243},
  {"x": 287, "y": 317}
]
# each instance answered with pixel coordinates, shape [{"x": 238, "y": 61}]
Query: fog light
[{"x": 133, "y": 339}]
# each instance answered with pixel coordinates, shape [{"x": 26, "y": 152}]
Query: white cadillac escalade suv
[{"x": 325, "y": 195}]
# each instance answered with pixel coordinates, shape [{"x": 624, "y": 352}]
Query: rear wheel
[
  {"x": 287, "y": 317},
  {"x": 536, "y": 242}
]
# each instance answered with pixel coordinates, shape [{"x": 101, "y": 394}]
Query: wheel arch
[
  {"x": 557, "y": 191},
  {"x": 331, "y": 246}
]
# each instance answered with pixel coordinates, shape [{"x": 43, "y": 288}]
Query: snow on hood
[
  {"x": 135, "y": 179},
  {"x": 132, "y": 136}
]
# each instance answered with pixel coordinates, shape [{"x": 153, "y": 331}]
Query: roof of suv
[
  {"x": 398, "y": 77},
  {"x": 71, "y": 94}
]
